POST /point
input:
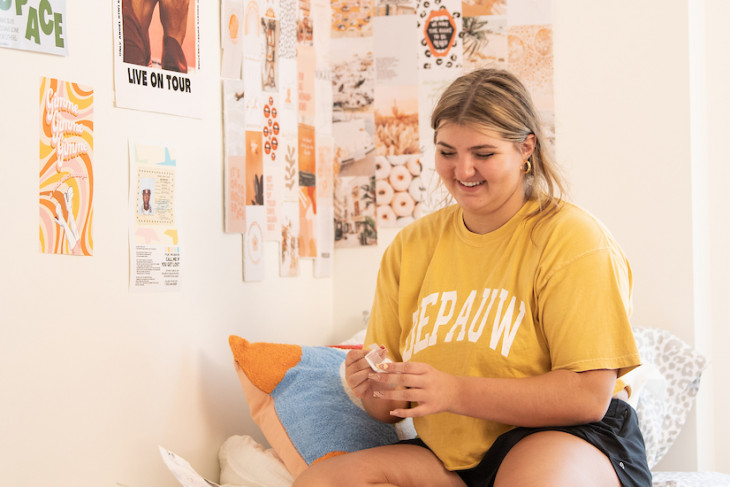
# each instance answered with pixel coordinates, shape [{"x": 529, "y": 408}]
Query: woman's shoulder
[{"x": 576, "y": 225}]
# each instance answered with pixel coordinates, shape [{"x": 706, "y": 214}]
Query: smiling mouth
[{"x": 471, "y": 184}]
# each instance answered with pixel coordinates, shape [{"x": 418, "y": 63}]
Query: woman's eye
[
  {"x": 483, "y": 156},
  {"x": 446, "y": 153}
]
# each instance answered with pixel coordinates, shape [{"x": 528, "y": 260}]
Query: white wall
[
  {"x": 93, "y": 378},
  {"x": 717, "y": 15}
]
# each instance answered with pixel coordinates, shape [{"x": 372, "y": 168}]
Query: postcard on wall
[
  {"x": 321, "y": 15},
  {"x": 231, "y": 38},
  {"x": 399, "y": 190},
  {"x": 396, "y": 51},
  {"x": 253, "y": 245},
  {"x": 157, "y": 67},
  {"x": 271, "y": 33},
  {"x": 439, "y": 28},
  {"x": 234, "y": 117},
  {"x": 252, "y": 34},
  {"x": 531, "y": 60},
  {"x": 308, "y": 221},
  {"x": 234, "y": 129},
  {"x": 235, "y": 197},
  {"x": 290, "y": 160},
  {"x": 475, "y": 8},
  {"x": 154, "y": 246},
  {"x": 305, "y": 27},
  {"x": 66, "y": 177},
  {"x": 289, "y": 258},
  {"x": 288, "y": 39},
  {"x": 254, "y": 168},
  {"x": 288, "y": 93},
  {"x": 353, "y": 75},
  {"x": 323, "y": 263},
  {"x": 485, "y": 42},
  {"x": 354, "y": 214},
  {"x": 396, "y": 120},
  {"x": 255, "y": 96},
  {"x": 352, "y": 18},
  {"x": 306, "y": 59},
  {"x": 34, "y": 25}
]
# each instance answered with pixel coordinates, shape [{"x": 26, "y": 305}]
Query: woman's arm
[{"x": 557, "y": 398}]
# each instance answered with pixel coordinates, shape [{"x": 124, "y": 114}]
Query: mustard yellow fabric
[{"x": 517, "y": 302}]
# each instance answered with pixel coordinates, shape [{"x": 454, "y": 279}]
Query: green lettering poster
[{"x": 34, "y": 25}]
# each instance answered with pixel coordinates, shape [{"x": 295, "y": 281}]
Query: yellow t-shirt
[{"x": 511, "y": 303}]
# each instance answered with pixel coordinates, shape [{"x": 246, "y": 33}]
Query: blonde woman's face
[{"x": 483, "y": 172}]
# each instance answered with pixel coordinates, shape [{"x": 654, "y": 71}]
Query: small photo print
[{"x": 145, "y": 197}]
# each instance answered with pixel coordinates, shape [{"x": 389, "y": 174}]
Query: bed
[{"x": 298, "y": 398}]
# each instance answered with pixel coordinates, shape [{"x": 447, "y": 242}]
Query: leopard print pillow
[{"x": 662, "y": 415}]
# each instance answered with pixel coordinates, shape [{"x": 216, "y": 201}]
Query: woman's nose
[{"x": 464, "y": 167}]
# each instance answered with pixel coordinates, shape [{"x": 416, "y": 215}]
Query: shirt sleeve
[{"x": 584, "y": 308}]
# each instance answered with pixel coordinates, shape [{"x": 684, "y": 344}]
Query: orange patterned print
[{"x": 66, "y": 178}]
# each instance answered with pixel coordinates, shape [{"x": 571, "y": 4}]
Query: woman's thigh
[
  {"x": 398, "y": 465},
  {"x": 555, "y": 458}
]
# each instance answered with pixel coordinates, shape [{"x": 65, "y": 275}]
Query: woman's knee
[{"x": 556, "y": 459}]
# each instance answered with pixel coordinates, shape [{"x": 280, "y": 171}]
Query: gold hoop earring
[{"x": 527, "y": 167}]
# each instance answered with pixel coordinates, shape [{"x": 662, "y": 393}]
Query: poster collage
[
  {"x": 326, "y": 117},
  {"x": 327, "y": 110}
]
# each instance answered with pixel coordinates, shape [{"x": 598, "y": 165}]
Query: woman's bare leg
[
  {"x": 555, "y": 459},
  {"x": 393, "y": 465}
]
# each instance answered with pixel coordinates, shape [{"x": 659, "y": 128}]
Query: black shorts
[{"x": 617, "y": 435}]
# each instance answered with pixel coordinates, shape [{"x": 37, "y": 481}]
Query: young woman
[{"x": 507, "y": 318}]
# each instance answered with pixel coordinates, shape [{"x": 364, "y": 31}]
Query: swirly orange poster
[{"x": 66, "y": 177}]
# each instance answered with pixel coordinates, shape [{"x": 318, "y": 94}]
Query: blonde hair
[{"x": 496, "y": 100}]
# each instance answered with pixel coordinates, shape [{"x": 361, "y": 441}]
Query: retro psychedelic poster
[
  {"x": 154, "y": 246},
  {"x": 34, "y": 25},
  {"x": 66, "y": 177},
  {"x": 154, "y": 71}
]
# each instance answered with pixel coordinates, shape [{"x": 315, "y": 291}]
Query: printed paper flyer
[
  {"x": 323, "y": 263},
  {"x": 34, "y": 25},
  {"x": 154, "y": 247},
  {"x": 157, "y": 59},
  {"x": 234, "y": 128},
  {"x": 66, "y": 178},
  {"x": 231, "y": 38},
  {"x": 254, "y": 268}
]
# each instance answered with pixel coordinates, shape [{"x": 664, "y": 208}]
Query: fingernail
[
  {"x": 383, "y": 366},
  {"x": 378, "y": 394}
]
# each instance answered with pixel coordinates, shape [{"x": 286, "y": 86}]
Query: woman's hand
[
  {"x": 433, "y": 391},
  {"x": 356, "y": 373}
]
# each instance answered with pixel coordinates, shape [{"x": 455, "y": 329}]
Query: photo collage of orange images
[{"x": 348, "y": 85}]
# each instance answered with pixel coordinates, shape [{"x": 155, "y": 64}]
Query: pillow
[
  {"x": 663, "y": 388},
  {"x": 298, "y": 397},
  {"x": 244, "y": 462}
]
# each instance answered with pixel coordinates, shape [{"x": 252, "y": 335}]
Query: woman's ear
[{"x": 528, "y": 146}]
